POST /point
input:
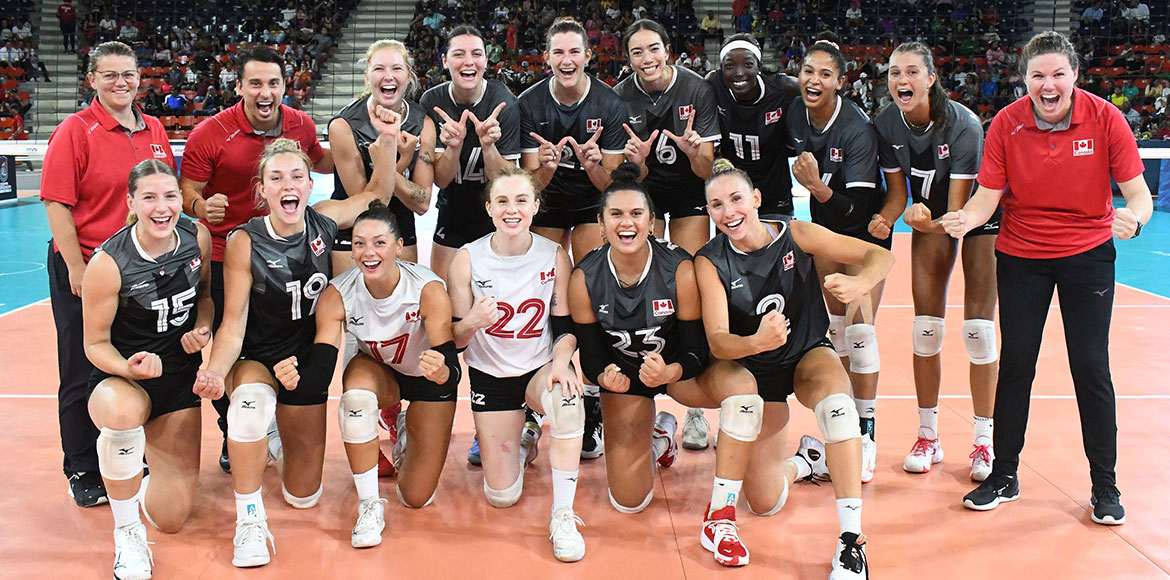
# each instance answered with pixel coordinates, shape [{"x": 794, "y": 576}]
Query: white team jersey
[
  {"x": 390, "y": 329},
  {"x": 521, "y": 339}
]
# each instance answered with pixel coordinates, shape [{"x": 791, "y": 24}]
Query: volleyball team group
[{"x": 550, "y": 243}]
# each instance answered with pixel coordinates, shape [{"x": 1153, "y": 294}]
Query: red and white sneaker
[
  {"x": 385, "y": 468},
  {"x": 388, "y": 420},
  {"x": 981, "y": 458},
  {"x": 924, "y": 454},
  {"x": 663, "y": 439},
  {"x": 721, "y": 537}
]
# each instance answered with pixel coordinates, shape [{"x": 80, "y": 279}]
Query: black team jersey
[
  {"x": 780, "y": 277},
  {"x": 754, "y": 136},
  {"x": 543, "y": 114},
  {"x": 640, "y": 319},
  {"x": 157, "y": 300},
  {"x": 930, "y": 158},
  {"x": 846, "y": 150},
  {"x": 686, "y": 95},
  {"x": 288, "y": 277}
]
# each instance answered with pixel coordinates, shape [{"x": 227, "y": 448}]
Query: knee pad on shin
[
  {"x": 928, "y": 335},
  {"x": 861, "y": 341},
  {"x": 302, "y": 503},
  {"x": 251, "y": 409},
  {"x": 837, "y": 418},
  {"x": 565, "y": 416},
  {"x": 430, "y": 500},
  {"x": 783, "y": 499},
  {"x": 979, "y": 338},
  {"x": 357, "y": 414},
  {"x": 741, "y": 416},
  {"x": 837, "y": 334},
  {"x": 502, "y": 498},
  {"x": 631, "y": 510},
  {"x": 120, "y": 452}
]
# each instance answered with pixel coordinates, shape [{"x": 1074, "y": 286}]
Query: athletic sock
[
  {"x": 250, "y": 506},
  {"x": 564, "y": 488},
  {"x": 125, "y": 511},
  {"x": 928, "y": 422},
  {"x": 725, "y": 492},
  {"x": 803, "y": 469},
  {"x": 849, "y": 514},
  {"x": 366, "y": 484},
  {"x": 984, "y": 427},
  {"x": 865, "y": 407}
]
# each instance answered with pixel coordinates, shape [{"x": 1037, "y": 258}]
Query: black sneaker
[
  {"x": 1106, "y": 504},
  {"x": 87, "y": 489},
  {"x": 996, "y": 488},
  {"x": 592, "y": 446},
  {"x": 224, "y": 462},
  {"x": 850, "y": 563}
]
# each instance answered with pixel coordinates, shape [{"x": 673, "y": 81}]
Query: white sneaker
[
  {"x": 251, "y": 544},
  {"x": 812, "y": 452},
  {"x": 275, "y": 447},
  {"x": 694, "y": 430},
  {"x": 371, "y": 520},
  {"x": 849, "y": 562},
  {"x": 132, "y": 557},
  {"x": 924, "y": 454},
  {"x": 662, "y": 439},
  {"x": 981, "y": 458},
  {"x": 868, "y": 458},
  {"x": 529, "y": 437},
  {"x": 568, "y": 545},
  {"x": 399, "y": 449}
]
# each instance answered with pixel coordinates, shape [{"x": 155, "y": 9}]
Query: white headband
[{"x": 740, "y": 44}]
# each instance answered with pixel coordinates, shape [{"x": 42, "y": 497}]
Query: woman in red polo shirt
[
  {"x": 1058, "y": 149},
  {"x": 84, "y": 191}
]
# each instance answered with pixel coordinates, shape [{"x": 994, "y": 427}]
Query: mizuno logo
[
  {"x": 973, "y": 335},
  {"x": 274, "y": 264},
  {"x": 927, "y": 333},
  {"x": 859, "y": 345},
  {"x": 568, "y": 402},
  {"x": 248, "y": 404},
  {"x": 838, "y": 412},
  {"x": 853, "y": 507},
  {"x": 898, "y": 146},
  {"x": 140, "y": 286},
  {"x": 126, "y": 451},
  {"x": 483, "y": 284},
  {"x": 355, "y": 413},
  {"x": 736, "y": 284},
  {"x": 635, "y": 119},
  {"x": 746, "y": 409},
  {"x": 798, "y": 140},
  {"x": 1100, "y": 292},
  {"x": 603, "y": 308},
  {"x": 356, "y": 321}
]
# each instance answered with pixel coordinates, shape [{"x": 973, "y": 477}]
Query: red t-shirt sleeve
[
  {"x": 64, "y": 159},
  {"x": 993, "y": 169},
  {"x": 199, "y": 156},
  {"x": 1124, "y": 161}
]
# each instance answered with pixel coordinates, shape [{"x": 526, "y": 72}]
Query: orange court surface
[{"x": 916, "y": 524}]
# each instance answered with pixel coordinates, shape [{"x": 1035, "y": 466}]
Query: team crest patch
[
  {"x": 664, "y": 307},
  {"x": 412, "y": 317},
  {"x": 685, "y": 112},
  {"x": 546, "y": 277},
  {"x": 592, "y": 125},
  {"x": 789, "y": 261},
  {"x": 772, "y": 116},
  {"x": 836, "y": 155},
  {"x": 1082, "y": 147},
  {"x": 944, "y": 151},
  {"x": 318, "y": 246},
  {"x": 195, "y": 264},
  {"x": 158, "y": 151}
]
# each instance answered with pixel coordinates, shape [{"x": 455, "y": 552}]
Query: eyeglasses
[{"x": 110, "y": 76}]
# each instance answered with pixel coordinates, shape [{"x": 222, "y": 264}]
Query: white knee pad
[
  {"x": 357, "y": 414},
  {"x": 928, "y": 335},
  {"x": 302, "y": 503},
  {"x": 861, "y": 341},
  {"x": 430, "y": 500},
  {"x": 120, "y": 452},
  {"x": 250, "y": 412},
  {"x": 741, "y": 416},
  {"x": 979, "y": 338},
  {"x": 779, "y": 502},
  {"x": 631, "y": 510},
  {"x": 837, "y": 418},
  {"x": 837, "y": 334},
  {"x": 502, "y": 498},
  {"x": 565, "y": 416}
]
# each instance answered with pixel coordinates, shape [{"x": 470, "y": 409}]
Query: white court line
[
  {"x": 887, "y": 397},
  {"x": 1155, "y": 294},
  {"x": 42, "y": 302}
]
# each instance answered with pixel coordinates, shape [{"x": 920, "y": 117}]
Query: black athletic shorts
[
  {"x": 460, "y": 222},
  {"x": 991, "y": 228},
  {"x": 168, "y": 393},
  {"x": 302, "y": 396},
  {"x": 678, "y": 200},
  {"x": 567, "y": 211},
  {"x": 490, "y": 393},
  {"x": 422, "y": 389},
  {"x": 776, "y": 383},
  {"x": 405, "y": 217}
]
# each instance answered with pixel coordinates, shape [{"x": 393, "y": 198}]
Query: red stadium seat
[
  {"x": 186, "y": 122},
  {"x": 169, "y": 122}
]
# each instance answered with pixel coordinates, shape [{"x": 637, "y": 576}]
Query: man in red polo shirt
[{"x": 221, "y": 161}]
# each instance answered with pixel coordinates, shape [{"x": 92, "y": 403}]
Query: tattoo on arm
[
  {"x": 425, "y": 157},
  {"x": 417, "y": 193}
]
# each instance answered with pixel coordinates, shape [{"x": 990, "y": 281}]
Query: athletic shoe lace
[
  {"x": 696, "y": 422},
  {"x": 254, "y": 532},
  {"x": 728, "y": 529},
  {"x": 563, "y": 524},
  {"x": 134, "y": 546},
  {"x": 981, "y": 454},
  {"x": 923, "y": 446},
  {"x": 852, "y": 556},
  {"x": 1108, "y": 496},
  {"x": 368, "y": 513}
]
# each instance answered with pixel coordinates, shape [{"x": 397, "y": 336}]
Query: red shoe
[
  {"x": 388, "y": 420},
  {"x": 385, "y": 468},
  {"x": 721, "y": 537},
  {"x": 663, "y": 440}
]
